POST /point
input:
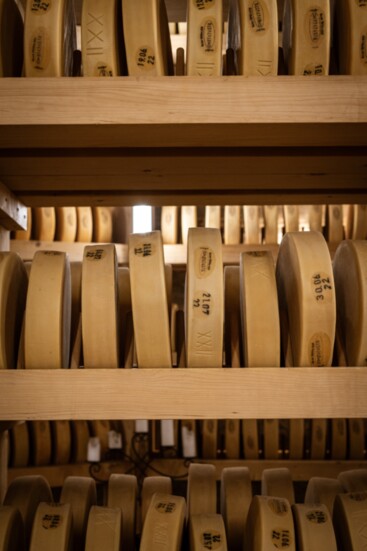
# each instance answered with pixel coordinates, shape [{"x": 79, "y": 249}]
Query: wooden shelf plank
[{"x": 261, "y": 393}]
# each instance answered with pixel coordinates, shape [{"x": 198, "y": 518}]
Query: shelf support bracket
[{"x": 13, "y": 213}]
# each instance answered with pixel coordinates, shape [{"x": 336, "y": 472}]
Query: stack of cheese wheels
[
  {"x": 306, "y": 291},
  {"x": 212, "y": 217},
  {"x": 169, "y": 225},
  {"x": 80, "y": 438},
  {"x": 151, "y": 486},
  {"x": 19, "y": 445},
  {"x": 323, "y": 490},
  {"x": 235, "y": 500},
  {"x": 13, "y": 291},
  {"x": 349, "y": 517},
  {"x": 278, "y": 483},
  {"x": 25, "y": 493},
  {"x": 11, "y": 39},
  {"x": 314, "y": 215},
  {"x": 104, "y": 529},
  {"x": 356, "y": 221},
  {"x": 253, "y": 35},
  {"x": 44, "y": 223},
  {"x": 251, "y": 219},
  {"x": 11, "y": 530},
  {"x": 354, "y": 480},
  {"x": 291, "y": 218},
  {"x": 122, "y": 494},
  {"x": 48, "y": 312},
  {"x": 84, "y": 224},
  {"x": 318, "y": 438},
  {"x": 61, "y": 439},
  {"x": 232, "y": 225},
  {"x": 147, "y": 39},
  {"x": 80, "y": 493},
  {"x": 164, "y": 523},
  {"x": 52, "y": 527},
  {"x": 149, "y": 302},
  {"x": 204, "y": 38},
  {"x": 306, "y": 36},
  {"x": 208, "y": 532},
  {"x": 338, "y": 438},
  {"x": 189, "y": 219},
  {"x": 271, "y": 216},
  {"x": 100, "y": 307},
  {"x": 269, "y": 525},
  {"x": 201, "y": 490},
  {"x": 102, "y": 225},
  {"x": 49, "y": 38},
  {"x": 352, "y": 24},
  {"x": 100, "y": 26},
  {"x": 314, "y": 528},
  {"x": 41, "y": 448},
  {"x": 66, "y": 224},
  {"x": 334, "y": 223},
  {"x": 25, "y": 235},
  {"x": 350, "y": 274}
]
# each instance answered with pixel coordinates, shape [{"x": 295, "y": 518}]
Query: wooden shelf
[
  {"x": 261, "y": 393},
  {"x": 187, "y": 140}
]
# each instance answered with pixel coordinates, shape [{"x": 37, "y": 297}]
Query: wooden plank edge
[{"x": 13, "y": 213}]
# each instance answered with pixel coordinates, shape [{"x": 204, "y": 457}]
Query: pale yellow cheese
[
  {"x": 271, "y": 439},
  {"x": 41, "y": 444},
  {"x": 349, "y": 517},
  {"x": 66, "y": 224},
  {"x": 356, "y": 439},
  {"x": 356, "y": 227},
  {"x": 334, "y": 223},
  {"x": 19, "y": 445},
  {"x": 209, "y": 438},
  {"x": 80, "y": 492},
  {"x": 271, "y": 216},
  {"x": 61, "y": 439},
  {"x": 314, "y": 213},
  {"x": 169, "y": 225},
  {"x": 314, "y": 528},
  {"x": 232, "y": 225},
  {"x": 354, "y": 480},
  {"x": 296, "y": 438},
  {"x": 164, "y": 523},
  {"x": 352, "y": 26},
  {"x": 11, "y": 530},
  {"x": 232, "y": 438},
  {"x": 102, "y": 225},
  {"x": 277, "y": 482},
  {"x": 318, "y": 438},
  {"x": 80, "y": 437},
  {"x": 122, "y": 493},
  {"x": 52, "y": 527},
  {"x": 201, "y": 490},
  {"x": 44, "y": 223},
  {"x": 323, "y": 490},
  {"x": 207, "y": 532},
  {"x": 250, "y": 438},
  {"x": 188, "y": 220},
  {"x": 235, "y": 500},
  {"x": 151, "y": 486},
  {"x": 104, "y": 529},
  {"x": 212, "y": 217},
  {"x": 84, "y": 231},
  {"x": 11, "y": 39},
  {"x": 251, "y": 217},
  {"x": 291, "y": 218},
  {"x": 338, "y": 438}
]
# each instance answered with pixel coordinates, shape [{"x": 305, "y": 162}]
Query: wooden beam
[{"x": 13, "y": 214}]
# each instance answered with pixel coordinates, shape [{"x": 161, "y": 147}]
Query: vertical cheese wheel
[
  {"x": 269, "y": 525},
  {"x": 235, "y": 500},
  {"x": 188, "y": 220},
  {"x": 49, "y": 38},
  {"x": 25, "y": 235},
  {"x": 11, "y": 39},
  {"x": 306, "y": 290},
  {"x": 334, "y": 223},
  {"x": 209, "y": 435},
  {"x": 104, "y": 529},
  {"x": 204, "y": 299},
  {"x": 314, "y": 528},
  {"x": 41, "y": 444},
  {"x": 352, "y": 25},
  {"x": 100, "y": 429},
  {"x": 44, "y": 223},
  {"x": 169, "y": 225},
  {"x": 250, "y": 437},
  {"x": 13, "y": 290},
  {"x": 349, "y": 517},
  {"x": 291, "y": 218},
  {"x": 124, "y": 311},
  {"x": 189, "y": 438},
  {"x": 356, "y": 439},
  {"x": 259, "y": 310},
  {"x": 61, "y": 440},
  {"x": 100, "y": 38},
  {"x": 100, "y": 307},
  {"x": 80, "y": 492},
  {"x": 201, "y": 490},
  {"x": 212, "y": 217},
  {"x": 357, "y": 222},
  {"x": 207, "y": 532},
  {"x": 151, "y": 486},
  {"x": 149, "y": 302},
  {"x": 164, "y": 522},
  {"x": 350, "y": 273},
  {"x": 354, "y": 480},
  {"x": 251, "y": 225},
  {"x": 19, "y": 445},
  {"x": 122, "y": 493},
  {"x": 278, "y": 483},
  {"x": 204, "y": 38},
  {"x": 76, "y": 298},
  {"x": 232, "y": 438},
  {"x": 11, "y": 530},
  {"x": 102, "y": 225},
  {"x": 66, "y": 223},
  {"x": 147, "y": 40},
  {"x": 25, "y": 493},
  {"x": 271, "y": 216},
  {"x": 48, "y": 312},
  {"x": 84, "y": 231},
  {"x": 338, "y": 438},
  {"x": 232, "y": 316},
  {"x": 80, "y": 438},
  {"x": 232, "y": 225},
  {"x": 314, "y": 215},
  {"x": 318, "y": 438},
  {"x": 323, "y": 490},
  {"x": 296, "y": 438},
  {"x": 271, "y": 439},
  {"x": 168, "y": 276}
]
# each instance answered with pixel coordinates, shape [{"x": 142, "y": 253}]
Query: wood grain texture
[{"x": 13, "y": 214}]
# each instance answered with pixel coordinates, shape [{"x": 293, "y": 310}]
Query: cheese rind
[
  {"x": 151, "y": 486},
  {"x": 11, "y": 39},
  {"x": 212, "y": 217},
  {"x": 188, "y": 220},
  {"x": 122, "y": 493},
  {"x": 323, "y": 490},
  {"x": 80, "y": 492},
  {"x": 251, "y": 217},
  {"x": 164, "y": 523},
  {"x": 232, "y": 225},
  {"x": 352, "y": 25},
  {"x": 104, "y": 529},
  {"x": 207, "y": 532},
  {"x": 235, "y": 500},
  {"x": 169, "y": 225},
  {"x": 349, "y": 517},
  {"x": 201, "y": 490},
  {"x": 11, "y": 529},
  {"x": 314, "y": 527},
  {"x": 44, "y": 223},
  {"x": 66, "y": 224},
  {"x": 354, "y": 480},
  {"x": 278, "y": 482}
]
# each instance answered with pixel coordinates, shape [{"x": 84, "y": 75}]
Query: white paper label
[
  {"x": 167, "y": 433},
  {"x": 94, "y": 450},
  {"x": 114, "y": 440},
  {"x": 188, "y": 442},
  {"x": 142, "y": 426}
]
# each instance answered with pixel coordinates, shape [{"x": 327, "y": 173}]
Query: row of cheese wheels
[
  {"x": 29, "y": 519},
  {"x": 266, "y": 224},
  {"x": 133, "y": 38},
  {"x": 41, "y": 443}
]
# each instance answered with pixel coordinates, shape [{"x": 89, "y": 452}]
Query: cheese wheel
[
  {"x": 19, "y": 445},
  {"x": 11, "y": 39},
  {"x": 251, "y": 225},
  {"x": 306, "y": 290},
  {"x": 164, "y": 523},
  {"x": 232, "y": 225},
  {"x": 100, "y": 307},
  {"x": 84, "y": 232},
  {"x": 204, "y": 38},
  {"x": 104, "y": 529},
  {"x": 357, "y": 222},
  {"x": 235, "y": 500},
  {"x": 189, "y": 438},
  {"x": 291, "y": 218},
  {"x": 334, "y": 223},
  {"x": 188, "y": 220},
  {"x": 351, "y": 294},
  {"x": 76, "y": 299},
  {"x": 352, "y": 25},
  {"x": 207, "y": 532},
  {"x": 318, "y": 438},
  {"x": 25, "y": 235},
  {"x": 253, "y": 34},
  {"x": 25, "y": 493},
  {"x": 80, "y": 492},
  {"x": 204, "y": 299},
  {"x": 259, "y": 310},
  {"x": 269, "y": 525},
  {"x": 201, "y": 490},
  {"x": 354, "y": 480},
  {"x": 306, "y": 36},
  {"x": 41, "y": 443},
  {"x": 49, "y": 38},
  {"x": 66, "y": 224},
  {"x": 61, "y": 441},
  {"x": 232, "y": 316},
  {"x": 338, "y": 438},
  {"x": 296, "y": 438},
  {"x": 149, "y": 302},
  {"x": 271, "y": 216},
  {"x": 323, "y": 490},
  {"x": 44, "y": 223},
  {"x": 122, "y": 493},
  {"x": 278, "y": 483},
  {"x": 212, "y": 217},
  {"x": 314, "y": 528},
  {"x": 100, "y": 26},
  {"x": 180, "y": 62},
  {"x": 147, "y": 39},
  {"x": 128, "y": 343},
  {"x": 151, "y": 486},
  {"x": 250, "y": 438},
  {"x": 80, "y": 438},
  {"x": 349, "y": 517},
  {"x": 271, "y": 439},
  {"x": 11, "y": 530},
  {"x": 13, "y": 291},
  {"x": 169, "y": 225},
  {"x": 314, "y": 217},
  {"x": 356, "y": 439},
  {"x": 209, "y": 436},
  {"x": 100, "y": 429},
  {"x": 102, "y": 225}
]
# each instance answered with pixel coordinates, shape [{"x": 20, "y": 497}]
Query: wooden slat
[
  {"x": 183, "y": 394},
  {"x": 13, "y": 214}
]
